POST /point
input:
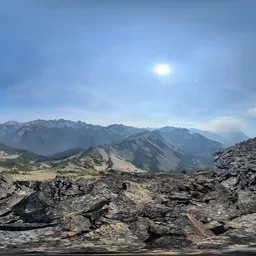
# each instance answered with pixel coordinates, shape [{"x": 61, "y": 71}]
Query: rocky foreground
[{"x": 134, "y": 212}]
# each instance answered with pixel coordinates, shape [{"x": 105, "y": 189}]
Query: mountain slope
[
  {"x": 198, "y": 150},
  {"x": 12, "y": 158},
  {"x": 145, "y": 151},
  {"x": 234, "y": 137},
  {"x": 211, "y": 135},
  {"x": 226, "y": 138},
  {"x": 9, "y": 152},
  {"x": 54, "y": 136},
  {"x": 124, "y": 130}
]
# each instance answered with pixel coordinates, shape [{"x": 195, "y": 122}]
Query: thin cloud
[
  {"x": 251, "y": 112},
  {"x": 222, "y": 124}
]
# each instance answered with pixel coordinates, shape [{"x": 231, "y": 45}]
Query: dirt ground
[{"x": 36, "y": 175}]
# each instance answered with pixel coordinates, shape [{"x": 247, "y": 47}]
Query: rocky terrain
[
  {"x": 237, "y": 165},
  {"x": 215, "y": 209}
]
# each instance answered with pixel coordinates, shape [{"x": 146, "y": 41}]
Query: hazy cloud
[
  {"x": 251, "y": 112},
  {"x": 222, "y": 124}
]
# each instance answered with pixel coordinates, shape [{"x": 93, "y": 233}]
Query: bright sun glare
[{"x": 162, "y": 69}]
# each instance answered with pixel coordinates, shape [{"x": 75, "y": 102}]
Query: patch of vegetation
[
  {"x": 61, "y": 176},
  {"x": 17, "y": 172},
  {"x": 13, "y": 171},
  {"x": 80, "y": 174},
  {"x": 25, "y": 173},
  {"x": 97, "y": 162},
  {"x": 110, "y": 163},
  {"x": 19, "y": 164},
  {"x": 71, "y": 175},
  {"x": 112, "y": 171},
  {"x": 88, "y": 166},
  {"x": 67, "y": 173},
  {"x": 63, "y": 172}
]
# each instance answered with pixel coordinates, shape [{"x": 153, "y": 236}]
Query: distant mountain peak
[
  {"x": 11, "y": 123},
  {"x": 226, "y": 138}
]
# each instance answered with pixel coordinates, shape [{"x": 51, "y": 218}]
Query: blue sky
[{"x": 92, "y": 60}]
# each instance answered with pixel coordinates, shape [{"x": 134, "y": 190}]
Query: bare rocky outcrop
[
  {"x": 237, "y": 172},
  {"x": 124, "y": 212}
]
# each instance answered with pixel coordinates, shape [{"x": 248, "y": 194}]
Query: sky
[{"x": 92, "y": 60}]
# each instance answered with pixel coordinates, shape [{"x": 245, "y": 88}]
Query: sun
[{"x": 162, "y": 69}]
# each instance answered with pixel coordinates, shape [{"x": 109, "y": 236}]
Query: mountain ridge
[
  {"x": 48, "y": 137},
  {"x": 60, "y": 139},
  {"x": 226, "y": 138},
  {"x": 144, "y": 151},
  {"x": 54, "y": 136}
]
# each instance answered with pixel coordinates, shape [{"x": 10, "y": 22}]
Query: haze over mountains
[
  {"x": 54, "y": 136},
  {"x": 226, "y": 138},
  {"x": 118, "y": 146}
]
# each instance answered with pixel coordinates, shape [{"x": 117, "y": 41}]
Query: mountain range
[
  {"x": 115, "y": 147},
  {"x": 50, "y": 137},
  {"x": 55, "y": 136}
]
